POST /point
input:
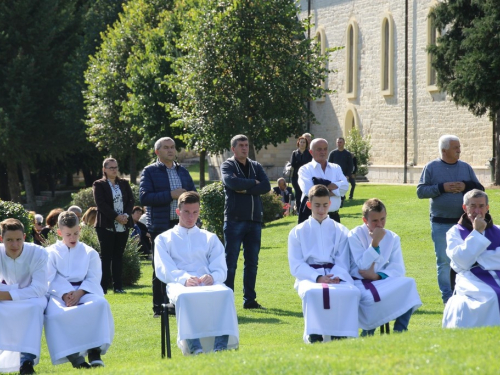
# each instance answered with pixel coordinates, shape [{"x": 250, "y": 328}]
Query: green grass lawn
[{"x": 271, "y": 340}]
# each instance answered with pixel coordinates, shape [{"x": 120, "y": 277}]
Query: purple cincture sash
[
  {"x": 318, "y": 266},
  {"x": 3, "y": 282},
  {"x": 488, "y": 279},
  {"x": 492, "y": 234},
  {"x": 368, "y": 285},
  {"x": 326, "y": 290},
  {"x": 326, "y": 296},
  {"x": 77, "y": 283}
]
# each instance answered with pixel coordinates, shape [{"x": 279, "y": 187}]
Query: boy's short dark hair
[
  {"x": 12, "y": 225},
  {"x": 318, "y": 191},
  {"x": 372, "y": 205},
  {"x": 67, "y": 219},
  {"x": 137, "y": 208},
  {"x": 188, "y": 197}
]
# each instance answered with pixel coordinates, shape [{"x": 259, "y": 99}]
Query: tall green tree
[
  {"x": 247, "y": 68},
  {"x": 127, "y": 80},
  {"x": 467, "y": 58},
  {"x": 92, "y": 18},
  {"x": 36, "y": 39}
]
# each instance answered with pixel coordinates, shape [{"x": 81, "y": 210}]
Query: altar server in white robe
[
  {"x": 78, "y": 319},
  {"x": 473, "y": 246},
  {"x": 23, "y": 284},
  {"x": 319, "y": 260},
  {"x": 379, "y": 272},
  {"x": 191, "y": 261}
]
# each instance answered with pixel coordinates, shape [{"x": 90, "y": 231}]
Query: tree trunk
[
  {"x": 4, "y": 185},
  {"x": 69, "y": 179},
  {"x": 133, "y": 167},
  {"x": 497, "y": 147},
  {"x": 13, "y": 179},
  {"x": 203, "y": 155},
  {"x": 251, "y": 149},
  {"x": 28, "y": 187}
]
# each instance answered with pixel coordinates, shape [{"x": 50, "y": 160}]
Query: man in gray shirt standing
[{"x": 445, "y": 181}]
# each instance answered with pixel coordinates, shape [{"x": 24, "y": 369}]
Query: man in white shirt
[
  {"x": 319, "y": 260},
  {"x": 319, "y": 171},
  {"x": 191, "y": 261},
  {"x": 378, "y": 269},
  {"x": 23, "y": 284},
  {"x": 473, "y": 246}
]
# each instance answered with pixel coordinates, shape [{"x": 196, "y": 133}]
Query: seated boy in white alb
[
  {"x": 378, "y": 269},
  {"x": 473, "y": 246},
  {"x": 78, "y": 319},
  {"x": 319, "y": 259},
  {"x": 191, "y": 261},
  {"x": 23, "y": 284}
]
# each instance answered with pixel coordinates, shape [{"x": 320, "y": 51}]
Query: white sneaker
[{"x": 197, "y": 352}]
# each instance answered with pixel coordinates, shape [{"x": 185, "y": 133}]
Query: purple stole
[
  {"x": 492, "y": 234},
  {"x": 326, "y": 290}
]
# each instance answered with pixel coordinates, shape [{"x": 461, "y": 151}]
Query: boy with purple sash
[
  {"x": 319, "y": 260},
  {"x": 473, "y": 246},
  {"x": 379, "y": 273}
]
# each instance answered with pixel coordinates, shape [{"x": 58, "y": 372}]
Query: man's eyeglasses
[{"x": 112, "y": 168}]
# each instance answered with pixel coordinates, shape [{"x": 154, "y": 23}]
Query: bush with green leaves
[
  {"x": 131, "y": 272},
  {"x": 212, "y": 208},
  {"x": 273, "y": 207},
  {"x": 84, "y": 198},
  {"x": 360, "y": 147},
  {"x": 11, "y": 210}
]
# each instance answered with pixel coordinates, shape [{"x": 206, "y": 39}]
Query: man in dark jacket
[
  {"x": 283, "y": 191},
  {"x": 344, "y": 159},
  {"x": 161, "y": 184},
  {"x": 244, "y": 182}
]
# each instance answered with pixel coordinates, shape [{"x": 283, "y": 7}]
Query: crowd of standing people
[{"x": 360, "y": 271}]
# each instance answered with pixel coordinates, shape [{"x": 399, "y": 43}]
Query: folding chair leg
[
  {"x": 162, "y": 335},
  {"x": 385, "y": 328},
  {"x": 165, "y": 332}
]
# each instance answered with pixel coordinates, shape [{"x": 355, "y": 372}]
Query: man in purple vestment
[{"x": 473, "y": 246}]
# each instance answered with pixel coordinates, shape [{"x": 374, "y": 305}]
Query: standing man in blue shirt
[
  {"x": 244, "y": 182},
  {"x": 161, "y": 185},
  {"x": 445, "y": 181}
]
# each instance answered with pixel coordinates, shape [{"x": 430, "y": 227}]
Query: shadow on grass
[
  {"x": 428, "y": 312},
  {"x": 351, "y": 216},
  {"x": 276, "y": 223},
  {"x": 279, "y": 312},
  {"x": 248, "y": 319}
]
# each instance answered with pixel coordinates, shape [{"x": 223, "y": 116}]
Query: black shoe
[
  {"x": 95, "y": 358},
  {"x": 119, "y": 291},
  {"x": 253, "y": 305},
  {"x": 171, "y": 310},
  {"x": 313, "y": 338},
  {"x": 27, "y": 368},
  {"x": 83, "y": 365}
]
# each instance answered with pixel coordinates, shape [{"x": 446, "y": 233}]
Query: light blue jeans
[
  {"x": 220, "y": 343},
  {"x": 438, "y": 232}
]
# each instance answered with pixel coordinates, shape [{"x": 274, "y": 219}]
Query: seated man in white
[
  {"x": 78, "y": 319},
  {"x": 473, "y": 246},
  {"x": 191, "y": 261},
  {"x": 319, "y": 259},
  {"x": 23, "y": 284},
  {"x": 378, "y": 269}
]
